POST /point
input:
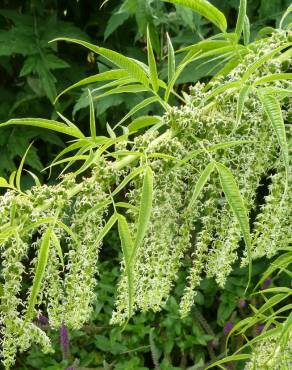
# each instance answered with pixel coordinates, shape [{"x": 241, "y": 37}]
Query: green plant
[{"x": 185, "y": 186}]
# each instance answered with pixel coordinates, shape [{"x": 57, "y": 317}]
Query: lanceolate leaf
[
  {"x": 19, "y": 171},
  {"x": 145, "y": 209},
  {"x": 57, "y": 245},
  {"x": 127, "y": 179},
  {"x": 138, "y": 107},
  {"x": 143, "y": 121},
  {"x": 47, "y": 124},
  {"x": 273, "y": 110},
  {"x": 92, "y": 117},
  {"x": 114, "y": 74},
  {"x": 40, "y": 271},
  {"x": 171, "y": 59},
  {"x": 205, "y": 9},
  {"x": 273, "y": 77},
  {"x": 134, "y": 69},
  {"x": 240, "y": 18},
  {"x": 259, "y": 62},
  {"x": 236, "y": 203},
  {"x": 152, "y": 64},
  {"x": 204, "y": 176},
  {"x": 110, "y": 223},
  {"x": 246, "y": 30}
]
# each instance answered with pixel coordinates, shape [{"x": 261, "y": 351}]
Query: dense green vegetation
[{"x": 186, "y": 182}]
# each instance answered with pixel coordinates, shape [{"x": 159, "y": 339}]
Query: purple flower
[
  {"x": 241, "y": 303},
  {"x": 64, "y": 341},
  {"x": 43, "y": 320},
  {"x": 228, "y": 327},
  {"x": 260, "y": 328},
  {"x": 266, "y": 283}
]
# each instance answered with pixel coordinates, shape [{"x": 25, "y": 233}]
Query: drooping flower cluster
[{"x": 208, "y": 233}]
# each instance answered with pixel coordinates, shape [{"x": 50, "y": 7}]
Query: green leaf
[
  {"x": 152, "y": 64},
  {"x": 127, "y": 248},
  {"x": 273, "y": 110},
  {"x": 203, "y": 178},
  {"x": 145, "y": 210},
  {"x": 57, "y": 245},
  {"x": 259, "y": 62},
  {"x": 5, "y": 184},
  {"x": 122, "y": 89},
  {"x": 170, "y": 59},
  {"x": 143, "y": 121},
  {"x": 236, "y": 203},
  {"x": 114, "y": 74},
  {"x": 115, "y": 21},
  {"x": 91, "y": 117},
  {"x": 240, "y": 18},
  {"x": 285, "y": 15},
  {"x": 229, "y": 359},
  {"x": 138, "y": 107},
  {"x": 34, "y": 176},
  {"x": 127, "y": 179},
  {"x": 130, "y": 65},
  {"x": 40, "y": 271},
  {"x": 246, "y": 31},
  {"x": 205, "y": 9},
  {"x": 110, "y": 223},
  {"x": 45, "y": 123},
  {"x": 273, "y": 77},
  {"x": 19, "y": 170}
]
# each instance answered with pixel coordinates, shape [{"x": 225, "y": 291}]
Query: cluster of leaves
[
  {"x": 32, "y": 70},
  {"x": 256, "y": 74}
]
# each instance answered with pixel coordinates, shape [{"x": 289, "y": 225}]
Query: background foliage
[{"x": 32, "y": 72}]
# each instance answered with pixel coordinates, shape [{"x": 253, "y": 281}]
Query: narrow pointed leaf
[
  {"x": 203, "y": 178},
  {"x": 45, "y": 123},
  {"x": 285, "y": 15},
  {"x": 91, "y": 116},
  {"x": 138, "y": 107},
  {"x": 19, "y": 170},
  {"x": 145, "y": 209},
  {"x": 110, "y": 223},
  {"x": 127, "y": 179},
  {"x": 34, "y": 176},
  {"x": 205, "y": 9},
  {"x": 42, "y": 260},
  {"x": 273, "y": 77},
  {"x": 152, "y": 64},
  {"x": 143, "y": 121},
  {"x": 240, "y": 18},
  {"x": 236, "y": 203},
  {"x": 58, "y": 247},
  {"x": 170, "y": 59},
  {"x": 273, "y": 110},
  {"x": 259, "y": 62},
  {"x": 113, "y": 74},
  {"x": 132, "y": 67},
  {"x": 246, "y": 30},
  {"x": 110, "y": 131}
]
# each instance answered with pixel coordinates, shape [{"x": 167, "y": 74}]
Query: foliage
[
  {"x": 32, "y": 70},
  {"x": 183, "y": 192}
]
